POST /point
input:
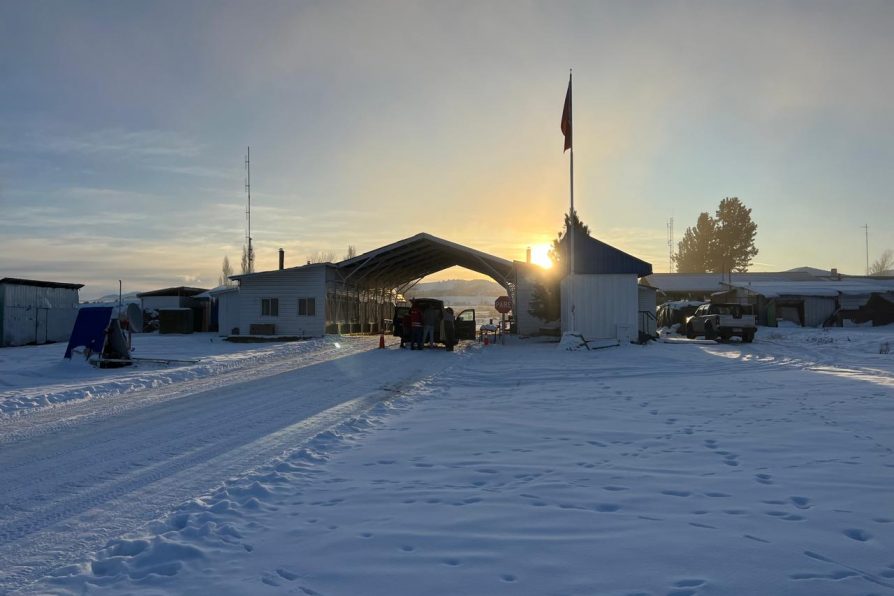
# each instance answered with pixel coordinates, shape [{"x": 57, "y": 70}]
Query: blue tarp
[{"x": 90, "y": 329}]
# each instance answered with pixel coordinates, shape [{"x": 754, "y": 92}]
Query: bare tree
[
  {"x": 321, "y": 256},
  {"x": 245, "y": 263},
  {"x": 884, "y": 263},
  {"x": 352, "y": 252},
  {"x": 226, "y": 271}
]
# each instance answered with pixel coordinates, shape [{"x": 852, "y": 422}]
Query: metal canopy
[{"x": 413, "y": 258}]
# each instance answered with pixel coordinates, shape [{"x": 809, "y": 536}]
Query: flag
[{"x": 566, "y": 117}]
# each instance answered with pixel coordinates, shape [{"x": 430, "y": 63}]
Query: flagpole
[{"x": 571, "y": 216}]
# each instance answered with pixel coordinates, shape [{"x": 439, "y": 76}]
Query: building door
[{"x": 40, "y": 325}]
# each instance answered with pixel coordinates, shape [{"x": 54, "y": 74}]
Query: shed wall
[
  {"x": 227, "y": 312},
  {"x": 817, "y": 309},
  {"x": 288, "y": 285},
  {"x": 160, "y": 302},
  {"x": 605, "y": 306},
  {"x": 36, "y": 314}
]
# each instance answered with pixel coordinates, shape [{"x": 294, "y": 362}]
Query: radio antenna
[{"x": 251, "y": 252}]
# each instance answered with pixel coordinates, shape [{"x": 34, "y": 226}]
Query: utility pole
[
  {"x": 251, "y": 252},
  {"x": 866, "y": 228},
  {"x": 670, "y": 245}
]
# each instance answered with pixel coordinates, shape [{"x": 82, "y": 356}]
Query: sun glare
[{"x": 540, "y": 255}]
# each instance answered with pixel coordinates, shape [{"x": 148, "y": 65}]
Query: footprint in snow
[
  {"x": 676, "y": 493},
  {"x": 800, "y": 502},
  {"x": 508, "y": 577},
  {"x": 607, "y": 507},
  {"x": 857, "y": 534}
]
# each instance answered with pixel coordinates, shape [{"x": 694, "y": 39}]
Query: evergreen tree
[
  {"x": 581, "y": 230},
  {"x": 720, "y": 244},
  {"x": 546, "y": 301},
  {"x": 696, "y": 250},
  {"x": 546, "y": 297},
  {"x": 735, "y": 237}
]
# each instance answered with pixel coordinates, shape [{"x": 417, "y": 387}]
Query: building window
[
  {"x": 307, "y": 307},
  {"x": 269, "y": 307}
]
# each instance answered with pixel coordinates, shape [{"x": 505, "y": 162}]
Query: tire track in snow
[{"x": 70, "y": 491}]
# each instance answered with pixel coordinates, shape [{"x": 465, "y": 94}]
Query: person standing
[
  {"x": 430, "y": 319},
  {"x": 449, "y": 329},
  {"x": 416, "y": 328},
  {"x": 405, "y": 330}
]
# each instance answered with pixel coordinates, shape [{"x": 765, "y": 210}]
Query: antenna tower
[
  {"x": 670, "y": 245},
  {"x": 251, "y": 252}
]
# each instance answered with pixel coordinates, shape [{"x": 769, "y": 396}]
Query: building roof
[
  {"x": 409, "y": 260},
  {"x": 218, "y": 291},
  {"x": 415, "y": 257},
  {"x": 713, "y": 282},
  {"x": 38, "y": 283},
  {"x": 177, "y": 291},
  {"x": 592, "y": 256},
  {"x": 828, "y": 288}
]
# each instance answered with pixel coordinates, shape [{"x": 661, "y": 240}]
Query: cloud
[{"x": 118, "y": 143}]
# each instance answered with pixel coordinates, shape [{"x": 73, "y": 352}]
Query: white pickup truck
[{"x": 721, "y": 322}]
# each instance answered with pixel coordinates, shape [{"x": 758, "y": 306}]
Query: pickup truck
[
  {"x": 464, "y": 322},
  {"x": 721, "y": 322}
]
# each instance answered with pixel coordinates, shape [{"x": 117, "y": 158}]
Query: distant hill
[
  {"x": 811, "y": 271},
  {"x": 458, "y": 287},
  {"x": 127, "y": 297}
]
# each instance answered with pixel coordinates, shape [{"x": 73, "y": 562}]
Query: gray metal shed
[{"x": 36, "y": 312}]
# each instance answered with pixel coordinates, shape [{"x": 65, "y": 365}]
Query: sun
[{"x": 540, "y": 255}]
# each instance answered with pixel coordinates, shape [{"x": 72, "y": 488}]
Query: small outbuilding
[
  {"x": 36, "y": 312},
  {"x": 807, "y": 303},
  {"x": 601, "y": 300},
  {"x": 175, "y": 298}
]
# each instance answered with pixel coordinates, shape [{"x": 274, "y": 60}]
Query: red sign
[{"x": 503, "y": 304}]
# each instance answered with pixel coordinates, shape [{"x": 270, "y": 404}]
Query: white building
[
  {"x": 36, "y": 312},
  {"x": 357, "y": 295},
  {"x": 284, "y": 302},
  {"x": 608, "y": 304},
  {"x": 606, "y": 300}
]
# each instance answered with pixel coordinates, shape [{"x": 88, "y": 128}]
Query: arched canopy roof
[{"x": 413, "y": 258}]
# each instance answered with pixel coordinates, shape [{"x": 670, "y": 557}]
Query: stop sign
[{"x": 503, "y": 304}]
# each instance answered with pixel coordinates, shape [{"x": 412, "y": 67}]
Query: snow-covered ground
[{"x": 674, "y": 468}]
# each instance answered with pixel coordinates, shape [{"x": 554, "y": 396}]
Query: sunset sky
[{"x": 124, "y": 126}]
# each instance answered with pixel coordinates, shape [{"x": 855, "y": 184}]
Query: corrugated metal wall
[
  {"x": 605, "y": 306},
  {"x": 287, "y": 285},
  {"x": 227, "y": 312},
  {"x": 817, "y": 309},
  {"x": 35, "y": 314}
]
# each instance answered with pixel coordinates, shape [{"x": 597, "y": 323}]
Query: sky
[{"x": 124, "y": 128}]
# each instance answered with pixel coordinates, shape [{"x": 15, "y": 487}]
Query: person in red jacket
[{"x": 416, "y": 328}]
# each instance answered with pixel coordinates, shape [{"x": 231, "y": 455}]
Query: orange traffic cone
[{"x": 382, "y": 340}]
